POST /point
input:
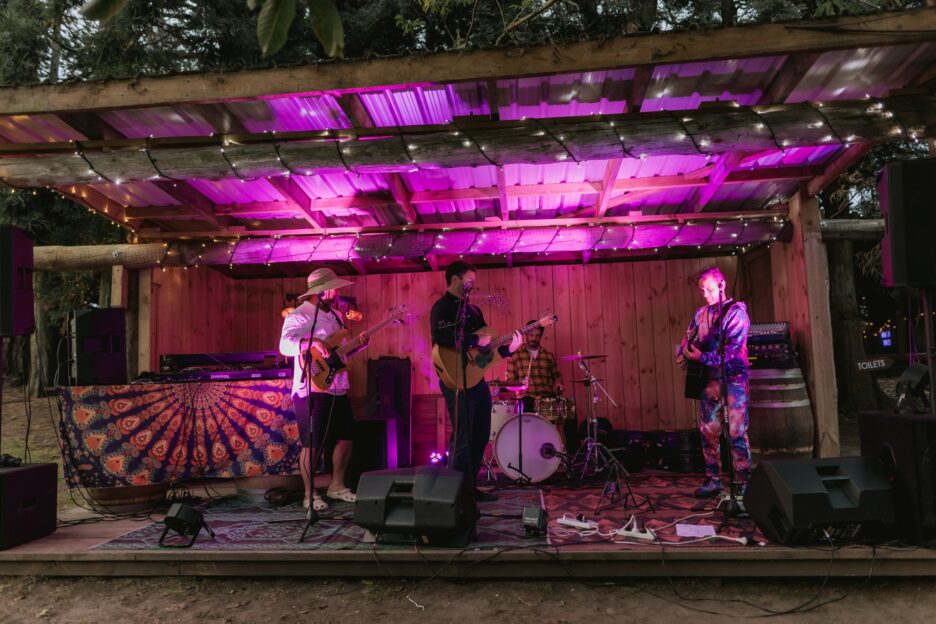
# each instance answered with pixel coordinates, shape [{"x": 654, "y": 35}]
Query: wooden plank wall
[{"x": 632, "y": 312}]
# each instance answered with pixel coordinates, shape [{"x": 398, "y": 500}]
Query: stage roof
[{"x": 241, "y": 155}]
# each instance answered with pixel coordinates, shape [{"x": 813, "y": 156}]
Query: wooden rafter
[
  {"x": 402, "y": 196},
  {"x": 612, "y": 170},
  {"x": 794, "y": 68},
  {"x": 502, "y": 196},
  {"x": 848, "y": 157},
  {"x": 298, "y": 198},
  {"x": 191, "y": 198},
  {"x": 95, "y": 200},
  {"x": 643, "y": 75},
  {"x": 717, "y": 177},
  {"x": 675, "y": 47}
]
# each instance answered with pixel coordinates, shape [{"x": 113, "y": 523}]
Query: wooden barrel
[
  {"x": 127, "y": 499},
  {"x": 781, "y": 419}
]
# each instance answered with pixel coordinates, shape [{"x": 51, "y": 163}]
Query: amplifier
[{"x": 779, "y": 354}]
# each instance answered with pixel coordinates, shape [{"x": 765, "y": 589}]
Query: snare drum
[
  {"x": 501, "y": 412},
  {"x": 552, "y": 409},
  {"x": 537, "y": 432}
]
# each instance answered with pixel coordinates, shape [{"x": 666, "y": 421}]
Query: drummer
[{"x": 535, "y": 368}]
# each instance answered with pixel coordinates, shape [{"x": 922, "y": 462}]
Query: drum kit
[{"x": 529, "y": 447}]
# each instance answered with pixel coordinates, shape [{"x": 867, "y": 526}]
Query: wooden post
[
  {"x": 145, "y": 323},
  {"x": 119, "y": 283},
  {"x": 801, "y": 295}
]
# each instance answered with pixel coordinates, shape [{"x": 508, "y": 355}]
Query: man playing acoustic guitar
[
  {"x": 471, "y": 423},
  {"x": 701, "y": 344}
]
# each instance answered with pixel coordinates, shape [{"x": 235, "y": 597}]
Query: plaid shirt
[{"x": 544, "y": 374}]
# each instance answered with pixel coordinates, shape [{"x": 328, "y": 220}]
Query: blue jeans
[{"x": 471, "y": 429}]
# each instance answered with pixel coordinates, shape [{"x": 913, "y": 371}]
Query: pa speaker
[
  {"x": 905, "y": 444},
  {"x": 799, "y": 501},
  {"x": 99, "y": 347},
  {"x": 908, "y": 254},
  {"x": 27, "y": 503},
  {"x": 16, "y": 292},
  {"x": 429, "y": 503}
]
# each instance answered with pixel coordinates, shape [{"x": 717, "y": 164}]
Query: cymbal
[{"x": 577, "y": 357}]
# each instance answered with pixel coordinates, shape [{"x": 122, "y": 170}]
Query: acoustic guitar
[
  {"x": 696, "y": 375},
  {"x": 329, "y": 357},
  {"x": 480, "y": 359}
]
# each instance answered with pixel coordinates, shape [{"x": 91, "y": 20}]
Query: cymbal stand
[
  {"x": 591, "y": 455},
  {"x": 616, "y": 485}
]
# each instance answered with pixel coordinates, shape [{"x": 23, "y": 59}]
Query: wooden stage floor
[{"x": 126, "y": 547}]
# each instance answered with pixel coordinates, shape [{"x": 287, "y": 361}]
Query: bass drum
[
  {"x": 501, "y": 412},
  {"x": 537, "y": 432}
]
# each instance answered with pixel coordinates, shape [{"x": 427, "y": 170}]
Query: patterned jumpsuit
[{"x": 705, "y": 324}]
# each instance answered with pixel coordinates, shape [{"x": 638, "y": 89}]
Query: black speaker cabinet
[
  {"x": 27, "y": 503},
  {"x": 798, "y": 501},
  {"x": 907, "y": 251},
  {"x": 99, "y": 347},
  {"x": 905, "y": 444},
  {"x": 16, "y": 292},
  {"x": 430, "y": 503}
]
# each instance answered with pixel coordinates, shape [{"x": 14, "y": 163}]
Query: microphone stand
[
  {"x": 312, "y": 515},
  {"x": 734, "y": 508},
  {"x": 524, "y": 478},
  {"x": 461, "y": 320}
]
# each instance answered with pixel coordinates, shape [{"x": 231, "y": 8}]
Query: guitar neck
[
  {"x": 506, "y": 338},
  {"x": 355, "y": 344}
]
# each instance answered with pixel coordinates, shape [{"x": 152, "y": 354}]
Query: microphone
[{"x": 467, "y": 286}]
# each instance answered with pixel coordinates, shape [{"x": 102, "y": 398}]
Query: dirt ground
[{"x": 390, "y": 601}]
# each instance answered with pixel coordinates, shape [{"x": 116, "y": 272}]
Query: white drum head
[
  {"x": 501, "y": 412},
  {"x": 536, "y": 432}
]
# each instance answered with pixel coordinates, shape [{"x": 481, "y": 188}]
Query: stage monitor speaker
[
  {"x": 429, "y": 503},
  {"x": 16, "y": 292},
  {"x": 99, "y": 347},
  {"x": 905, "y": 444},
  {"x": 800, "y": 501},
  {"x": 908, "y": 254},
  {"x": 27, "y": 503}
]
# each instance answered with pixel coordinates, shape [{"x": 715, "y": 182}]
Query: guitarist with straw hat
[
  {"x": 471, "y": 420},
  {"x": 329, "y": 410}
]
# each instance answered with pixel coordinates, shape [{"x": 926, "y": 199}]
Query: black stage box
[
  {"x": 798, "y": 501},
  {"x": 27, "y": 503},
  {"x": 430, "y": 503}
]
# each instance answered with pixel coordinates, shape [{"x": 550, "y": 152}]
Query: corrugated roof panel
[
  {"x": 685, "y": 86},
  {"x": 750, "y": 195},
  {"x": 290, "y": 114},
  {"x": 563, "y": 95},
  {"x": 36, "y": 129},
  {"x": 162, "y": 121},
  {"x": 852, "y": 74},
  {"x": 137, "y": 194},
  {"x": 237, "y": 191}
]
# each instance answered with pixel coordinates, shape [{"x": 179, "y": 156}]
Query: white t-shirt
[{"x": 296, "y": 329}]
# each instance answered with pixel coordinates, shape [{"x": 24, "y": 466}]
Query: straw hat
[{"x": 321, "y": 280}]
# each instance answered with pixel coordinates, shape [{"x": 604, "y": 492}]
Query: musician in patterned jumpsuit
[{"x": 701, "y": 344}]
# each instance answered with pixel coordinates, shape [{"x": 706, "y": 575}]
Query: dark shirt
[{"x": 443, "y": 322}]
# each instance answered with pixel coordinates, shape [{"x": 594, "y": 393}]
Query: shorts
[{"x": 332, "y": 416}]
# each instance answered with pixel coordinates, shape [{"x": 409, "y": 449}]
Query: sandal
[
  {"x": 345, "y": 495},
  {"x": 317, "y": 503}
]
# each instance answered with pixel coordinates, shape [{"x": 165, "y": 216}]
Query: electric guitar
[
  {"x": 326, "y": 358},
  {"x": 480, "y": 359}
]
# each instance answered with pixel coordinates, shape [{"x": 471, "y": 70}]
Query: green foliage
[
  {"x": 273, "y": 24},
  {"x": 103, "y": 9},
  {"x": 326, "y": 24},
  {"x": 24, "y": 41}
]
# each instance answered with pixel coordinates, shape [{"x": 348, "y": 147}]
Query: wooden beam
[
  {"x": 295, "y": 196},
  {"x": 95, "y": 200},
  {"x": 119, "y": 284},
  {"x": 723, "y": 168},
  {"x": 433, "y": 261},
  {"x": 778, "y": 212},
  {"x": 643, "y": 75},
  {"x": 191, "y": 198},
  {"x": 794, "y": 68},
  {"x": 852, "y": 229},
  {"x": 402, "y": 196},
  {"x": 502, "y": 197},
  {"x": 146, "y": 327},
  {"x": 838, "y": 166},
  {"x": 893, "y": 28},
  {"x": 358, "y": 265},
  {"x": 355, "y": 110},
  {"x": 612, "y": 170}
]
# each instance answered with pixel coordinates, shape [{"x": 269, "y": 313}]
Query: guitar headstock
[
  {"x": 398, "y": 314},
  {"x": 547, "y": 320}
]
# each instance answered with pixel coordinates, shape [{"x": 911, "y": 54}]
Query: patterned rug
[
  {"x": 238, "y": 525},
  {"x": 672, "y": 501}
]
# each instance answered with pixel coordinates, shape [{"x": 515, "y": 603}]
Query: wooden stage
[{"x": 76, "y": 550}]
